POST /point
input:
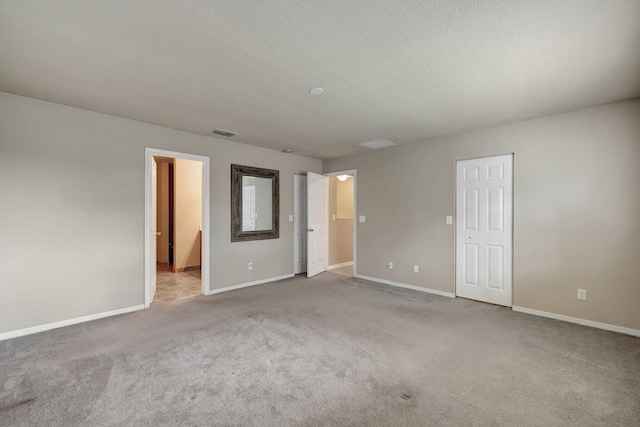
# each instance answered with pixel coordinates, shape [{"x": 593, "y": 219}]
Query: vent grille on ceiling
[
  {"x": 377, "y": 143},
  {"x": 223, "y": 132}
]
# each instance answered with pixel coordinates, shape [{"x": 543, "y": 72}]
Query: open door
[
  {"x": 151, "y": 264},
  {"x": 484, "y": 239},
  {"x": 317, "y": 224}
]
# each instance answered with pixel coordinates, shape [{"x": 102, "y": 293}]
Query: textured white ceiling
[{"x": 402, "y": 70}]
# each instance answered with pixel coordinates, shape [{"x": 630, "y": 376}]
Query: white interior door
[
  {"x": 300, "y": 224},
  {"x": 317, "y": 224},
  {"x": 154, "y": 229},
  {"x": 484, "y": 237}
]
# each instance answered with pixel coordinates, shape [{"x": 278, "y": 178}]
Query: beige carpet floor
[{"x": 326, "y": 351}]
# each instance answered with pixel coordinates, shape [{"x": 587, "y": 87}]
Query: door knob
[
  {"x": 470, "y": 237},
  {"x": 158, "y": 233},
  {"x": 310, "y": 230}
]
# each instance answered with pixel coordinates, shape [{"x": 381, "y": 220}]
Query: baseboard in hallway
[
  {"x": 164, "y": 268},
  {"x": 342, "y": 264},
  {"x": 185, "y": 269}
]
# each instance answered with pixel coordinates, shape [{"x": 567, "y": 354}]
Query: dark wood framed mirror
[{"x": 255, "y": 203}]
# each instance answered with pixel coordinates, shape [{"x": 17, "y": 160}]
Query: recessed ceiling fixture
[
  {"x": 287, "y": 150},
  {"x": 377, "y": 143},
  {"x": 343, "y": 177},
  {"x": 317, "y": 91},
  {"x": 223, "y": 132}
]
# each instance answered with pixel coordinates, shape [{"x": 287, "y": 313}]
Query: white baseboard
[
  {"x": 584, "y": 322},
  {"x": 344, "y": 264},
  {"x": 63, "y": 323},
  {"x": 246, "y": 285},
  {"x": 407, "y": 286}
]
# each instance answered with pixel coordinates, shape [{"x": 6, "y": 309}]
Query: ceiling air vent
[
  {"x": 378, "y": 143},
  {"x": 223, "y": 132}
]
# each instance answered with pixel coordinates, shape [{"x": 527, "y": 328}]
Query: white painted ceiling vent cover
[
  {"x": 223, "y": 132},
  {"x": 378, "y": 143}
]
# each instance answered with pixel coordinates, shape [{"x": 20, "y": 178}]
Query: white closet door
[{"x": 484, "y": 236}]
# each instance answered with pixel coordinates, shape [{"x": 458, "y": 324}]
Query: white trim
[
  {"x": 353, "y": 172},
  {"x": 584, "y": 322},
  {"x": 344, "y": 264},
  {"x": 295, "y": 202},
  {"x": 246, "y": 285},
  {"x": 206, "y": 217},
  {"x": 69, "y": 322},
  {"x": 406, "y": 286}
]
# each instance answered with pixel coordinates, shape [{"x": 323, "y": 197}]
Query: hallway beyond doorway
[
  {"x": 175, "y": 286},
  {"x": 346, "y": 270}
]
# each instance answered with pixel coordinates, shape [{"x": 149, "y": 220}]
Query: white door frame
[
  {"x": 455, "y": 222},
  {"x": 206, "y": 206},
  {"x": 295, "y": 204},
  {"x": 353, "y": 172}
]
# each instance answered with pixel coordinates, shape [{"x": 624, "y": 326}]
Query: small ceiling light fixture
[
  {"x": 343, "y": 178},
  {"x": 376, "y": 144},
  {"x": 287, "y": 150},
  {"x": 317, "y": 91}
]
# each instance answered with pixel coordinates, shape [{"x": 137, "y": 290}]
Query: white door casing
[
  {"x": 317, "y": 224},
  {"x": 300, "y": 224},
  {"x": 484, "y": 231},
  {"x": 150, "y": 217}
]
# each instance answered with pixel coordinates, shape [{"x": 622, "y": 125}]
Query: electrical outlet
[
  {"x": 582, "y": 294},
  {"x": 250, "y": 266},
  {"x": 415, "y": 269},
  {"x": 390, "y": 266}
]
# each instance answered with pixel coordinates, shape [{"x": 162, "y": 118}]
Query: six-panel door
[
  {"x": 317, "y": 224},
  {"x": 484, "y": 200}
]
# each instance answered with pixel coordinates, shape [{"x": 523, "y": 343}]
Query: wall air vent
[
  {"x": 377, "y": 143},
  {"x": 223, "y": 132}
]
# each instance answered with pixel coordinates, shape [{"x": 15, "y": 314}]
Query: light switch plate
[
  {"x": 449, "y": 220},
  {"x": 290, "y": 218},
  {"x": 333, "y": 217},
  {"x": 361, "y": 218},
  {"x": 582, "y": 294}
]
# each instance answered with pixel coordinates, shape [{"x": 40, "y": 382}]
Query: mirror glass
[{"x": 255, "y": 203}]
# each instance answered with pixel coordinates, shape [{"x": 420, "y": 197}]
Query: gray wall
[
  {"x": 576, "y": 212},
  {"x": 72, "y": 208}
]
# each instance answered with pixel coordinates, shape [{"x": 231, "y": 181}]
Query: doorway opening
[
  {"x": 330, "y": 247},
  {"x": 177, "y": 226},
  {"x": 341, "y": 223}
]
